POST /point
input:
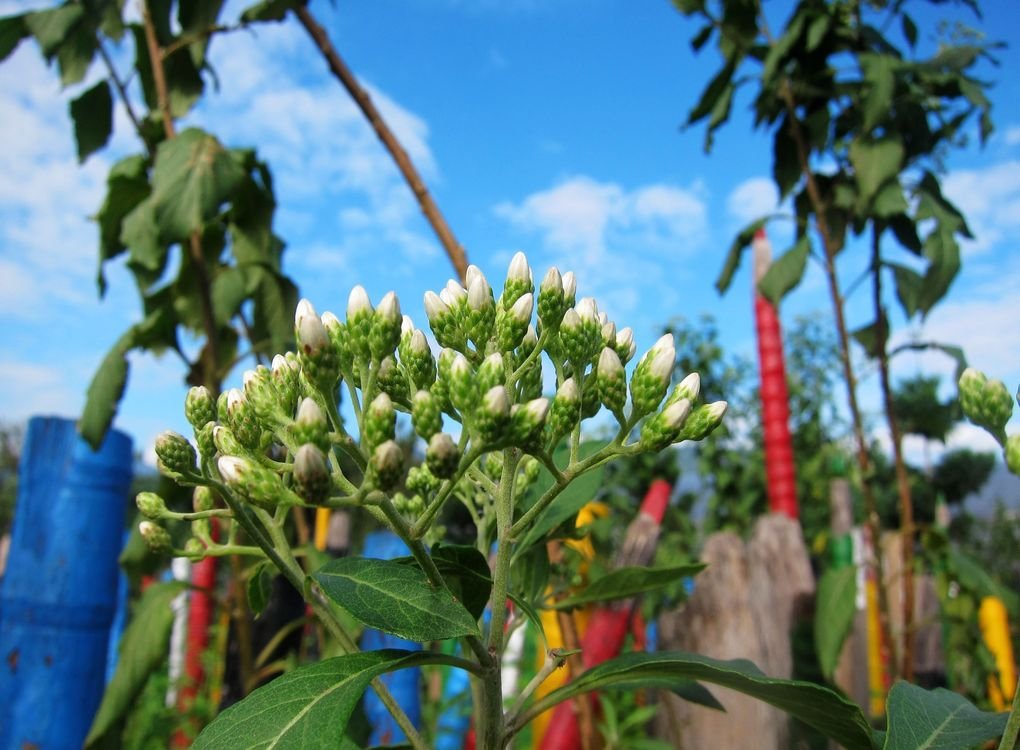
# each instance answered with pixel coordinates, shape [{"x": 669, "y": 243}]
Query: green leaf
[
  {"x": 574, "y": 497},
  {"x": 276, "y": 298},
  {"x": 835, "y": 607},
  {"x": 817, "y": 31},
  {"x": 104, "y": 393},
  {"x": 715, "y": 90},
  {"x": 395, "y": 598},
  {"x": 943, "y": 254},
  {"x": 51, "y": 27},
  {"x": 194, "y": 175},
  {"x": 184, "y": 82},
  {"x": 817, "y": 706},
  {"x": 909, "y": 29},
  {"x": 878, "y": 72},
  {"x": 736, "y": 253},
  {"x": 92, "y": 113},
  {"x": 872, "y": 337},
  {"x": 954, "y": 352},
  {"x": 624, "y": 583},
  {"x": 906, "y": 233},
  {"x": 466, "y": 572},
  {"x": 889, "y": 201},
  {"x": 974, "y": 577},
  {"x": 876, "y": 162},
  {"x": 12, "y": 30},
  {"x": 142, "y": 649},
  {"x": 127, "y": 185},
  {"x": 786, "y": 167},
  {"x": 786, "y": 272},
  {"x": 307, "y": 708},
  {"x": 937, "y": 720},
  {"x": 260, "y": 586},
  {"x": 196, "y": 17},
  {"x": 230, "y": 288},
  {"x": 75, "y": 54},
  {"x": 909, "y": 288},
  {"x": 701, "y": 38},
  {"x": 268, "y": 10},
  {"x": 141, "y": 236}
]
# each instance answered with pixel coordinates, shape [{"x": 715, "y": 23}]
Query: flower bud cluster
[{"x": 986, "y": 402}]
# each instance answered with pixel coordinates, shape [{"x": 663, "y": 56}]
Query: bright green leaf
[
  {"x": 937, "y": 720},
  {"x": 786, "y": 272},
  {"x": 889, "y": 201},
  {"x": 92, "y": 113},
  {"x": 142, "y": 649},
  {"x": 817, "y": 706},
  {"x": 12, "y": 30},
  {"x": 194, "y": 175},
  {"x": 306, "y": 709},
  {"x": 624, "y": 583},
  {"x": 835, "y": 607},
  {"x": 395, "y": 598},
  {"x": 817, "y": 31}
]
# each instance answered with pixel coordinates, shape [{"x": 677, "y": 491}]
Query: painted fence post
[{"x": 58, "y": 596}]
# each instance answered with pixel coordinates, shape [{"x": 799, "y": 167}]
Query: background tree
[{"x": 861, "y": 122}]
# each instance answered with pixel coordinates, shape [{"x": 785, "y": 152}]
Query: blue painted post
[
  {"x": 405, "y": 685},
  {"x": 58, "y": 596}
]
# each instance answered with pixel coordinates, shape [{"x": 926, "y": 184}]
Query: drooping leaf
[
  {"x": 104, "y": 393},
  {"x": 876, "y": 162},
  {"x": 906, "y": 232},
  {"x": 576, "y": 494},
  {"x": 909, "y": 288},
  {"x": 307, "y": 708},
  {"x": 142, "y": 648},
  {"x": 719, "y": 87},
  {"x": 268, "y": 10},
  {"x": 230, "y": 288},
  {"x": 195, "y": 18},
  {"x": 193, "y": 176},
  {"x": 701, "y": 38},
  {"x": 943, "y": 254},
  {"x": 51, "y": 27},
  {"x": 817, "y": 30},
  {"x": 183, "y": 80},
  {"x": 834, "y": 614},
  {"x": 786, "y": 166},
  {"x": 937, "y": 720},
  {"x": 786, "y": 272},
  {"x": 872, "y": 337},
  {"x": 889, "y": 201},
  {"x": 260, "y": 586},
  {"x": 909, "y": 29},
  {"x": 127, "y": 185},
  {"x": 12, "y": 30},
  {"x": 817, "y": 706},
  {"x": 624, "y": 583},
  {"x": 953, "y": 352},
  {"x": 395, "y": 598},
  {"x": 146, "y": 249},
  {"x": 879, "y": 74},
  {"x": 466, "y": 572},
  {"x": 736, "y": 253},
  {"x": 92, "y": 113},
  {"x": 75, "y": 54}
]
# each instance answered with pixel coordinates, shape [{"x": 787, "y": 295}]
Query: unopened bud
[
  {"x": 527, "y": 421},
  {"x": 426, "y": 415},
  {"x": 518, "y": 281},
  {"x": 462, "y": 385},
  {"x": 254, "y": 483},
  {"x": 380, "y": 421},
  {"x": 176, "y": 455},
  {"x": 442, "y": 455},
  {"x": 199, "y": 407},
  {"x": 688, "y": 388},
  {"x": 612, "y": 381},
  {"x": 551, "y": 302},
  {"x": 202, "y": 499},
  {"x": 443, "y": 320},
  {"x": 625, "y": 346},
  {"x": 569, "y": 288},
  {"x": 651, "y": 377},
  {"x": 565, "y": 410},
  {"x": 493, "y": 414},
  {"x": 573, "y": 339},
  {"x": 156, "y": 537},
  {"x": 311, "y": 474},
  {"x": 609, "y": 335},
  {"x": 388, "y": 464},
  {"x": 286, "y": 379},
  {"x": 385, "y": 333},
  {"x": 985, "y": 402},
  {"x": 418, "y": 359},
  {"x": 310, "y": 425},
  {"x": 481, "y": 315},
  {"x": 702, "y": 421},
  {"x": 225, "y": 441},
  {"x": 150, "y": 505},
  {"x": 491, "y": 372},
  {"x": 392, "y": 380}
]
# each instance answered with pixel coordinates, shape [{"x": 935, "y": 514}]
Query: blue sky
[{"x": 550, "y": 127}]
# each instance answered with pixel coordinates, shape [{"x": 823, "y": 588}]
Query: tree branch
[{"x": 389, "y": 140}]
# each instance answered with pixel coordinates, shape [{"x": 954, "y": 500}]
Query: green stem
[
  {"x": 1009, "y": 737},
  {"x": 223, "y": 550},
  {"x": 428, "y": 515},
  {"x": 535, "y": 354},
  {"x": 504, "y": 546}
]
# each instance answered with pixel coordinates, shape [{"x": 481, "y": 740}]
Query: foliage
[
  {"x": 919, "y": 410},
  {"x": 193, "y": 218},
  {"x": 11, "y": 437}
]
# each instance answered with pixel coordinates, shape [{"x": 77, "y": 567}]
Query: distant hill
[{"x": 1001, "y": 486}]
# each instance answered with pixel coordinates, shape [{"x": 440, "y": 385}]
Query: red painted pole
[{"x": 775, "y": 401}]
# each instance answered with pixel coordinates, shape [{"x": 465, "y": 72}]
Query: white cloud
[
  {"x": 623, "y": 244},
  {"x": 35, "y": 389},
  {"x": 752, "y": 199},
  {"x": 1011, "y": 135},
  {"x": 990, "y": 199}
]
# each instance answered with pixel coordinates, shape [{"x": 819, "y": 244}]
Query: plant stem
[
  {"x": 382, "y": 130},
  {"x": 554, "y": 660},
  {"x": 906, "y": 668},
  {"x": 1009, "y": 737}
]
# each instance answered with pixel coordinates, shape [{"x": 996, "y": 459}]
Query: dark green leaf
[
  {"x": 702, "y": 37},
  {"x": 141, "y": 236},
  {"x": 260, "y": 586},
  {"x": 395, "y": 598},
  {"x": 624, "y": 583},
  {"x": 531, "y": 572},
  {"x": 715, "y": 90},
  {"x": 688, "y": 690},
  {"x": 12, "y": 30},
  {"x": 142, "y": 649},
  {"x": 817, "y": 706},
  {"x": 937, "y": 720},
  {"x": 308, "y": 708},
  {"x": 688, "y": 7},
  {"x": 909, "y": 29},
  {"x": 835, "y": 607},
  {"x": 127, "y": 185},
  {"x": 786, "y": 272},
  {"x": 943, "y": 254},
  {"x": 75, "y": 54},
  {"x": 276, "y": 298},
  {"x": 194, "y": 175},
  {"x": 51, "y": 27},
  {"x": 268, "y": 10},
  {"x": 736, "y": 253},
  {"x": 878, "y": 72},
  {"x": 872, "y": 337},
  {"x": 229, "y": 290},
  {"x": 184, "y": 82},
  {"x": 92, "y": 113},
  {"x": 954, "y": 352},
  {"x": 466, "y": 572},
  {"x": 576, "y": 494},
  {"x": 196, "y": 17},
  {"x": 909, "y": 287},
  {"x": 104, "y": 393},
  {"x": 786, "y": 167},
  {"x": 817, "y": 30},
  {"x": 876, "y": 162},
  {"x": 779, "y": 49},
  {"x": 906, "y": 233}
]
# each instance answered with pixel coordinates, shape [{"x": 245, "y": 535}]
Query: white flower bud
[
  {"x": 522, "y": 308},
  {"x": 568, "y": 391},
  {"x": 519, "y": 269},
  {"x": 358, "y": 302},
  {"x": 406, "y": 326},
  {"x": 569, "y": 285},
  {"x": 625, "y": 337},
  {"x": 537, "y": 409},
  {"x": 553, "y": 282},
  {"x": 603, "y": 319},
  {"x": 435, "y": 307},
  {"x": 665, "y": 342},
  {"x": 311, "y": 334},
  {"x": 309, "y": 412},
  {"x": 609, "y": 333},
  {"x": 494, "y": 361},
  {"x": 479, "y": 293},
  {"x": 304, "y": 310},
  {"x": 717, "y": 409},
  {"x": 419, "y": 344},
  {"x": 280, "y": 362},
  {"x": 673, "y": 416},
  {"x": 496, "y": 401},
  {"x": 587, "y": 309},
  {"x": 454, "y": 293},
  {"x": 235, "y": 400},
  {"x": 460, "y": 368},
  {"x": 389, "y": 308},
  {"x": 609, "y": 365},
  {"x": 330, "y": 321},
  {"x": 232, "y": 468},
  {"x": 571, "y": 320},
  {"x": 473, "y": 272},
  {"x": 689, "y": 387},
  {"x": 530, "y": 339},
  {"x": 661, "y": 367}
]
